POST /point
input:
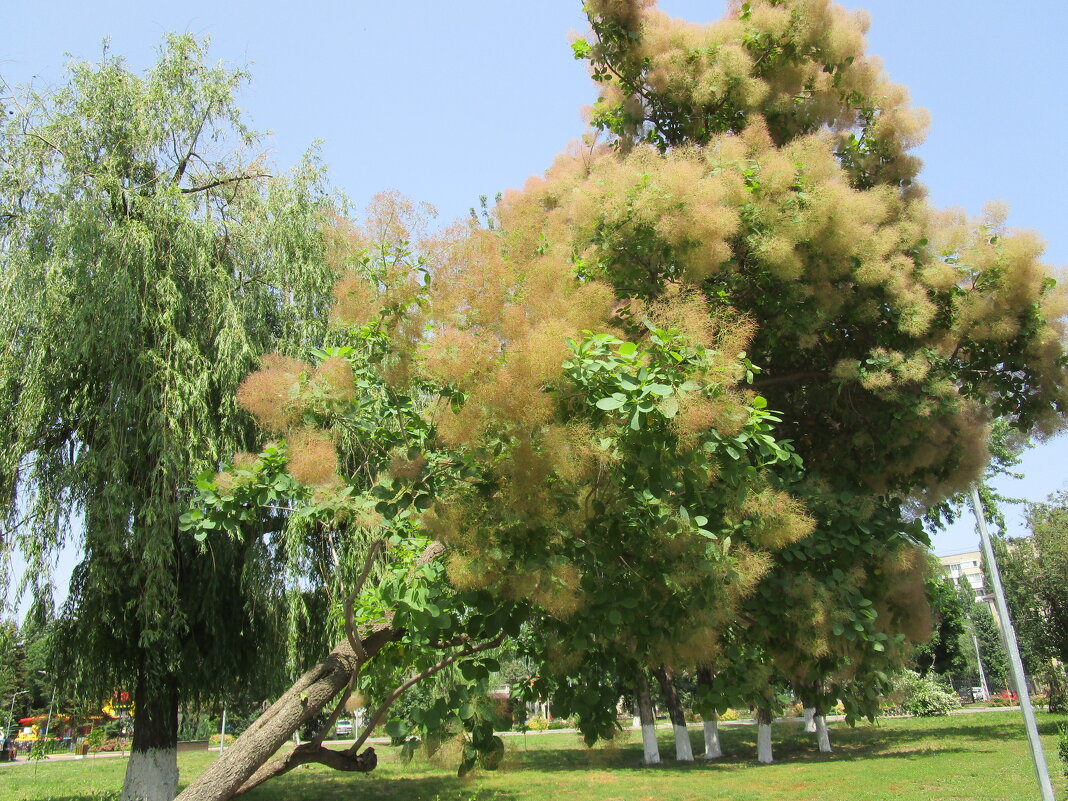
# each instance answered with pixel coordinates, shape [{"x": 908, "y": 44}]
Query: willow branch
[
  {"x": 224, "y": 181},
  {"x": 178, "y": 173}
]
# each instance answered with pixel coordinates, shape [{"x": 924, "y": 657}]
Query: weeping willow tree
[{"x": 148, "y": 259}]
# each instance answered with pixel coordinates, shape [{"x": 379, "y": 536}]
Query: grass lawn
[{"x": 975, "y": 757}]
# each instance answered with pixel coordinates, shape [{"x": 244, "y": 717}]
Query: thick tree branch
[
  {"x": 790, "y": 378},
  {"x": 224, "y": 181}
]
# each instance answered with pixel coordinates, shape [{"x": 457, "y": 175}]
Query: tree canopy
[
  {"x": 149, "y": 258},
  {"x": 572, "y": 399}
]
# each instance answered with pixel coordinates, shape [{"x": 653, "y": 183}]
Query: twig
[{"x": 350, "y": 625}]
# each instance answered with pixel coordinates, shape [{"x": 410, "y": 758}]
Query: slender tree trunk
[
  {"x": 683, "y": 749},
  {"x": 152, "y": 771},
  {"x": 648, "y": 719},
  {"x": 245, "y": 764},
  {"x": 764, "y": 736}
]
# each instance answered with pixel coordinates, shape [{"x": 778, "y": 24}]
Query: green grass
[{"x": 976, "y": 757}]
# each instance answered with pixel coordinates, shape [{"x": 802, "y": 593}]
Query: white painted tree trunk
[
  {"x": 683, "y": 748},
  {"x": 651, "y": 751},
  {"x": 810, "y": 719},
  {"x": 822, "y": 734},
  {"x": 712, "y": 746},
  {"x": 151, "y": 775},
  {"x": 764, "y": 743}
]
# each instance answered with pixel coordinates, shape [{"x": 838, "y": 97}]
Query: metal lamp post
[
  {"x": 1015, "y": 663},
  {"x": 11, "y": 710}
]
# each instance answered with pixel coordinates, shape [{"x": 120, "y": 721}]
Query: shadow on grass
[
  {"x": 320, "y": 787},
  {"x": 898, "y": 740},
  {"x": 907, "y": 739}
]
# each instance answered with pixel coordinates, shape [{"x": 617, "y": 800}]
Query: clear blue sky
[{"x": 447, "y": 101}]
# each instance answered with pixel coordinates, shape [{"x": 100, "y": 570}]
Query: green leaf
[
  {"x": 669, "y": 407},
  {"x": 627, "y": 349},
  {"x": 611, "y": 403}
]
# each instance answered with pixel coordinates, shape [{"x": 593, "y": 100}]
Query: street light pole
[
  {"x": 979, "y": 660},
  {"x": 48, "y": 723},
  {"x": 222, "y": 733},
  {"x": 10, "y": 712},
  {"x": 1015, "y": 664}
]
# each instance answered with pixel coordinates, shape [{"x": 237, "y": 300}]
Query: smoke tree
[
  {"x": 148, "y": 259},
  {"x": 754, "y": 191}
]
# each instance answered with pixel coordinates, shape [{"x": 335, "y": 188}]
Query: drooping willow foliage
[{"x": 148, "y": 260}]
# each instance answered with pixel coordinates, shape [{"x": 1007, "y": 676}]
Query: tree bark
[
  {"x": 683, "y": 748},
  {"x": 651, "y": 751},
  {"x": 810, "y": 719},
  {"x": 822, "y": 735},
  {"x": 764, "y": 737},
  {"x": 245, "y": 765},
  {"x": 152, "y": 771}
]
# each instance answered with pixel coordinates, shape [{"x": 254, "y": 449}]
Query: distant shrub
[
  {"x": 214, "y": 739},
  {"x": 730, "y": 714},
  {"x": 923, "y": 696},
  {"x": 537, "y": 723},
  {"x": 1003, "y": 699},
  {"x": 794, "y": 710}
]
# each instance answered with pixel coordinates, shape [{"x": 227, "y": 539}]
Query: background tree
[
  {"x": 991, "y": 651},
  {"x": 946, "y": 652},
  {"x": 1034, "y": 572},
  {"x": 148, "y": 260}
]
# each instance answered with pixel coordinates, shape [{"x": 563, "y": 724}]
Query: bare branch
[
  {"x": 224, "y": 181},
  {"x": 178, "y": 173},
  {"x": 350, "y": 625}
]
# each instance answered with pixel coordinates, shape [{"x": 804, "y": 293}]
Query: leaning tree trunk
[
  {"x": 152, "y": 771},
  {"x": 764, "y": 736},
  {"x": 651, "y": 751},
  {"x": 245, "y": 765},
  {"x": 683, "y": 749}
]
